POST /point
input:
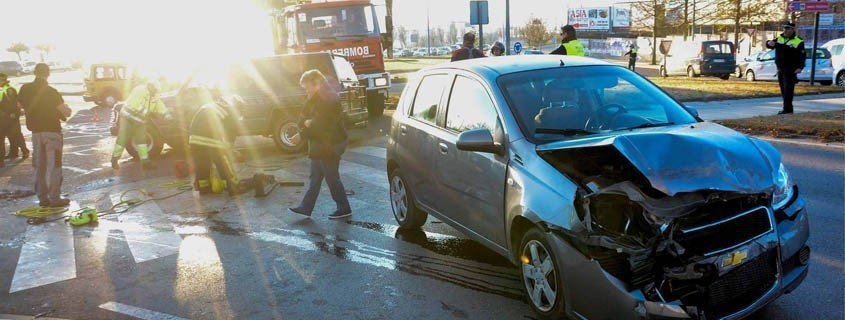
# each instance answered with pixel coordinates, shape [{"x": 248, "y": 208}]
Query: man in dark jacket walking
[
  {"x": 468, "y": 51},
  {"x": 45, "y": 111},
  {"x": 789, "y": 59},
  {"x": 324, "y": 129}
]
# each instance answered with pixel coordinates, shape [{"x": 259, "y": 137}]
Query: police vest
[
  {"x": 573, "y": 48},
  {"x": 793, "y": 43},
  {"x": 634, "y": 50},
  {"x": 3, "y": 90}
]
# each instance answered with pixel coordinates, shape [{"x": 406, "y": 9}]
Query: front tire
[
  {"x": 749, "y": 75},
  {"x": 840, "y": 79},
  {"x": 691, "y": 72},
  {"x": 405, "y": 210},
  {"x": 284, "y": 132},
  {"x": 542, "y": 280},
  {"x": 155, "y": 144}
]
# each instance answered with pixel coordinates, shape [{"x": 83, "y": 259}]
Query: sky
[{"x": 178, "y": 32}]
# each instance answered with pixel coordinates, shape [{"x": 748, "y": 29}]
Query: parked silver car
[
  {"x": 615, "y": 201},
  {"x": 762, "y": 67}
]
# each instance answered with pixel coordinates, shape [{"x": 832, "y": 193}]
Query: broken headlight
[{"x": 784, "y": 188}]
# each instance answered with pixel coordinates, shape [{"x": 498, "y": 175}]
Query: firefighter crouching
[
  {"x": 142, "y": 104},
  {"x": 210, "y": 133}
]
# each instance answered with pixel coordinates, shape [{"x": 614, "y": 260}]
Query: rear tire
[
  {"x": 155, "y": 143},
  {"x": 541, "y": 276},
  {"x": 840, "y": 79},
  {"x": 402, "y": 201},
  {"x": 691, "y": 72},
  {"x": 284, "y": 130},
  {"x": 738, "y": 72},
  {"x": 375, "y": 104},
  {"x": 749, "y": 75},
  {"x": 725, "y": 76}
]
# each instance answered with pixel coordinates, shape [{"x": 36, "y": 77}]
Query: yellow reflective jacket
[
  {"x": 141, "y": 103},
  {"x": 574, "y": 48}
]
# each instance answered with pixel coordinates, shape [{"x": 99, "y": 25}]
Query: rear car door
[
  {"x": 472, "y": 183},
  {"x": 417, "y": 143}
]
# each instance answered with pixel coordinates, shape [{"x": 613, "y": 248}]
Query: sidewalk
[{"x": 747, "y": 108}]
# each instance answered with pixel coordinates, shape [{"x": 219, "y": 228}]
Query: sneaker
[
  {"x": 340, "y": 214},
  {"x": 114, "y": 163},
  {"x": 300, "y": 211}
]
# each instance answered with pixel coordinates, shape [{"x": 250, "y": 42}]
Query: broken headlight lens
[{"x": 784, "y": 188}]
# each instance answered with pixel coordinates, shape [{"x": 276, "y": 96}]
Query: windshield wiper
[
  {"x": 648, "y": 125},
  {"x": 563, "y": 131}
]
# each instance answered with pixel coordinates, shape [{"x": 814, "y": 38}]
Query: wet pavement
[{"x": 186, "y": 257}]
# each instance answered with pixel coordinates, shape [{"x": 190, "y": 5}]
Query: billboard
[
  {"x": 590, "y": 18},
  {"x": 621, "y": 17}
]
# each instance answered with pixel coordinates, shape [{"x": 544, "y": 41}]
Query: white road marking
[
  {"x": 379, "y": 152},
  {"x": 137, "y": 312},
  {"x": 47, "y": 256},
  {"x": 364, "y": 173},
  {"x": 149, "y": 233}
]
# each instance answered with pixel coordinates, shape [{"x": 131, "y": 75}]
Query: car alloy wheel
[
  {"x": 840, "y": 79},
  {"x": 399, "y": 198},
  {"x": 749, "y": 75},
  {"x": 539, "y": 275},
  {"x": 288, "y": 132}
]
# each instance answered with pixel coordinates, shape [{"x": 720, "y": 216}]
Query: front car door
[
  {"x": 472, "y": 183},
  {"x": 767, "y": 70}
]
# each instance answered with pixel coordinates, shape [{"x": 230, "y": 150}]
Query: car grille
[
  {"x": 742, "y": 286},
  {"x": 711, "y": 238}
]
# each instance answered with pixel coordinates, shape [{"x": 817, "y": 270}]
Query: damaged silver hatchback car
[{"x": 616, "y": 201}]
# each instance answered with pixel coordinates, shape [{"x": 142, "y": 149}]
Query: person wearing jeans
[
  {"x": 324, "y": 129},
  {"x": 45, "y": 110}
]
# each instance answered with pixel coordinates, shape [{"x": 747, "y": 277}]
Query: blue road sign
[
  {"x": 517, "y": 47},
  {"x": 478, "y": 12}
]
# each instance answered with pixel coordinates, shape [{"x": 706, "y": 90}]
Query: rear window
[{"x": 717, "y": 48}]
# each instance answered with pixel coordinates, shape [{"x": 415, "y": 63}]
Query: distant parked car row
[
  {"x": 423, "y": 51},
  {"x": 15, "y": 68},
  {"x": 761, "y": 66}
]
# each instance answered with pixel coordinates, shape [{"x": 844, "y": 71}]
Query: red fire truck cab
[{"x": 346, "y": 28}]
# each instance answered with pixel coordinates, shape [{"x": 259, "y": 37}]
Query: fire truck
[{"x": 347, "y": 28}]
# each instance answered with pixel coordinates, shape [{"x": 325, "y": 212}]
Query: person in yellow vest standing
[
  {"x": 142, "y": 104},
  {"x": 569, "y": 44},
  {"x": 790, "y": 58}
]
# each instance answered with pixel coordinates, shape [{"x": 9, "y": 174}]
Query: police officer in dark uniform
[
  {"x": 632, "y": 57},
  {"x": 789, "y": 59}
]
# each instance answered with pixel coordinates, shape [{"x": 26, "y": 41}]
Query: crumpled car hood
[{"x": 687, "y": 158}]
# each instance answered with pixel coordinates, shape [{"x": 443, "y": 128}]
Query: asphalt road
[{"x": 219, "y": 257}]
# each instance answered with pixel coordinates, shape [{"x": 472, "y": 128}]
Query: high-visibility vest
[
  {"x": 202, "y": 141},
  {"x": 3, "y": 91},
  {"x": 794, "y": 42},
  {"x": 140, "y": 104},
  {"x": 573, "y": 48},
  {"x": 633, "y": 50}
]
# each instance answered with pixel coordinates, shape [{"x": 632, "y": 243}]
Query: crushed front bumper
[{"x": 592, "y": 293}]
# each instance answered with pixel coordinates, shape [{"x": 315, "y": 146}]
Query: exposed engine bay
[{"x": 705, "y": 249}]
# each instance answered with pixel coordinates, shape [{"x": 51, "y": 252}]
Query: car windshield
[
  {"x": 561, "y": 103},
  {"x": 333, "y": 22}
]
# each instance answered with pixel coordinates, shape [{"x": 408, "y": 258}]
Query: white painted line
[
  {"x": 378, "y": 152},
  {"x": 137, "y": 312},
  {"x": 364, "y": 173},
  {"x": 148, "y": 232},
  {"x": 47, "y": 256}
]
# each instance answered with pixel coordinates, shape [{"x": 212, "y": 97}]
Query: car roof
[{"x": 495, "y": 66}]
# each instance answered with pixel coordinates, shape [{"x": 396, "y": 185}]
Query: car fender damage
[{"x": 682, "y": 219}]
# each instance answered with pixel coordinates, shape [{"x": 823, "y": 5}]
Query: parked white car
[
  {"x": 763, "y": 67},
  {"x": 837, "y": 59}
]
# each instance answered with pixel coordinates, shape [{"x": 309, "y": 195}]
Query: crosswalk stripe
[
  {"x": 47, "y": 256},
  {"x": 137, "y": 312},
  {"x": 374, "y": 151},
  {"x": 148, "y": 232},
  {"x": 364, "y": 173}
]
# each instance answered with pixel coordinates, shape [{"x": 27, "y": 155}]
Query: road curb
[{"x": 804, "y": 142}]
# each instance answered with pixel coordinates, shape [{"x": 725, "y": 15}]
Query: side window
[
  {"x": 470, "y": 107},
  {"x": 428, "y": 97},
  {"x": 837, "y": 49},
  {"x": 770, "y": 55}
]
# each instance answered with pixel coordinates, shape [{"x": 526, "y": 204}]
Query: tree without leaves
[
  {"x": 739, "y": 12},
  {"x": 402, "y": 35},
  {"x": 17, "y": 48},
  {"x": 535, "y": 32},
  {"x": 44, "y": 49}
]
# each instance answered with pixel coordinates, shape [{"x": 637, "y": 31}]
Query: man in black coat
[
  {"x": 324, "y": 129},
  {"x": 789, "y": 59},
  {"x": 468, "y": 51}
]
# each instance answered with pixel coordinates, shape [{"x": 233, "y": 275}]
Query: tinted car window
[
  {"x": 563, "y": 102},
  {"x": 821, "y": 53},
  {"x": 717, "y": 48},
  {"x": 428, "y": 97},
  {"x": 470, "y": 107}
]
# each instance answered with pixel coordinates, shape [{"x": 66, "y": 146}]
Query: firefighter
[
  {"x": 210, "y": 133},
  {"x": 789, "y": 59},
  {"x": 632, "y": 56},
  {"x": 569, "y": 44},
  {"x": 143, "y": 104}
]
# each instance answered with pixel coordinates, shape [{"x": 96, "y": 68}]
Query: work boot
[
  {"x": 114, "y": 163},
  {"x": 339, "y": 214},
  {"x": 148, "y": 165}
]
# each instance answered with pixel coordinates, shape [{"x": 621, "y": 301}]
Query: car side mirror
[
  {"x": 480, "y": 140},
  {"x": 693, "y": 111}
]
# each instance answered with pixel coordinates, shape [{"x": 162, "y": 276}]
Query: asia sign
[
  {"x": 808, "y": 6},
  {"x": 593, "y": 18}
]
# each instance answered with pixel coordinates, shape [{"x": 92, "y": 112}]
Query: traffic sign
[
  {"x": 517, "y": 47},
  {"x": 808, "y": 6},
  {"x": 478, "y": 12}
]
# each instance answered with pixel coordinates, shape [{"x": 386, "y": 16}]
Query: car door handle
[
  {"x": 444, "y": 149},
  {"x": 403, "y": 129}
]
